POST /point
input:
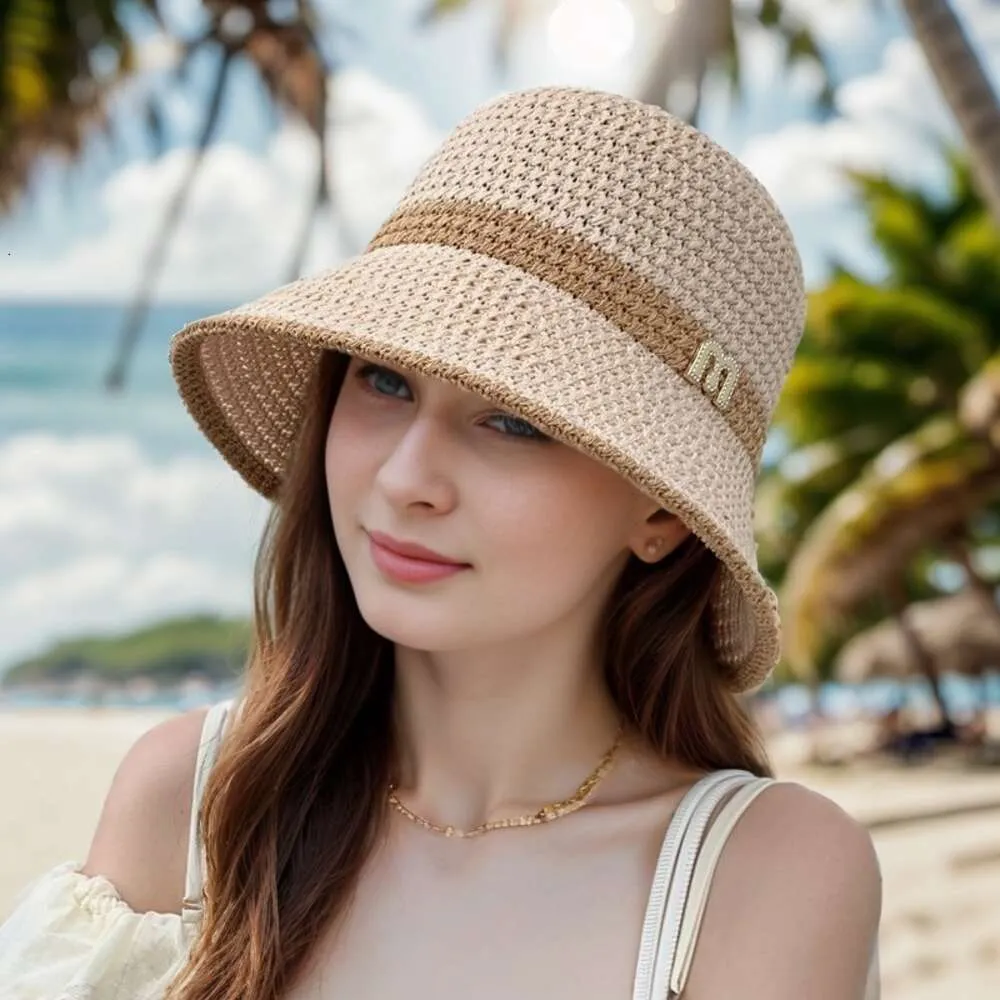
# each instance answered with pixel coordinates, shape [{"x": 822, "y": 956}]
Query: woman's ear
[{"x": 659, "y": 535}]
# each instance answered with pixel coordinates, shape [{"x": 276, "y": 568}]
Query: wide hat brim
[{"x": 519, "y": 341}]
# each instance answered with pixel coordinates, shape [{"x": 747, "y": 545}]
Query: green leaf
[
  {"x": 437, "y": 9},
  {"x": 802, "y": 45},
  {"x": 771, "y": 12}
]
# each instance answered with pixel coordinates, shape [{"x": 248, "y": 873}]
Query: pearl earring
[{"x": 653, "y": 546}]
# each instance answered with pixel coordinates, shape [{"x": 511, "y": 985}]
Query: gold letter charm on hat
[{"x": 724, "y": 365}]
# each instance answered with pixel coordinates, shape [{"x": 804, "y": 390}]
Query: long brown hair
[{"x": 296, "y": 801}]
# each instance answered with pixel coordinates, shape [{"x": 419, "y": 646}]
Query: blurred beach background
[{"x": 145, "y": 181}]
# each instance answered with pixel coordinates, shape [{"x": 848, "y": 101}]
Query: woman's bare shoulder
[
  {"x": 794, "y": 906},
  {"x": 140, "y": 843}
]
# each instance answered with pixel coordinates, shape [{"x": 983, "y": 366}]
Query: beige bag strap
[
  {"x": 681, "y": 880},
  {"x": 656, "y": 947},
  {"x": 701, "y": 880},
  {"x": 708, "y": 859},
  {"x": 692, "y": 869},
  {"x": 208, "y": 751}
]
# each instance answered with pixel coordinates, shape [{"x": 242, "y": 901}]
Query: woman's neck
[{"x": 480, "y": 739}]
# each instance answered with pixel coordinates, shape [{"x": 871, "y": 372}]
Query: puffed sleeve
[{"x": 71, "y": 936}]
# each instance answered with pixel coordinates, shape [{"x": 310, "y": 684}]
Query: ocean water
[
  {"x": 874, "y": 697},
  {"x": 53, "y": 360},
  {"x": 794, "y": 700},
  {"x": 115, "y": 512}
]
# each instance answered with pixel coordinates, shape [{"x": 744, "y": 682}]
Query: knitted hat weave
[{"x": 584, "y": 260}]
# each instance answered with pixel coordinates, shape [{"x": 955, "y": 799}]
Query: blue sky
[{"x": 103, "y": 530}]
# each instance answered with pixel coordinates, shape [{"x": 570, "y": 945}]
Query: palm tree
[
  {"x": 287, "y": 56},
  {"x": 892, "y": 412},
  {"x": 700, "y": 36},
  {"x": 58, "y": 75},
  {"x": 912, "y": 501},
  {"x": 959, "y": 631},
  {"x": 880, "y": 359},
  {"x": 61, "y": 61},
  {"x": 965, "y": 87},
  {"x": 54, "y": 79}
]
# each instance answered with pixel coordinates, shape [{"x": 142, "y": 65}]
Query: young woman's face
[{"x": 544, "y": 530}]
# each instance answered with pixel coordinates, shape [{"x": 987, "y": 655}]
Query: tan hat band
[{"x": 611, "y": 288}]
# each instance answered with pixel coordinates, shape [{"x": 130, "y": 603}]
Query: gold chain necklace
[{"x": 544, "y": 815}]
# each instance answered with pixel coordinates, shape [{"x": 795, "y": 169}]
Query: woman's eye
[
  {"x": 384, "y": 382},
  {"x": 370, "y": 374},
  {"x": 522, "y": 427}
]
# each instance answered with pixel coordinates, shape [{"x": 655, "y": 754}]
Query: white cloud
[
  {"x": 245, "y": 211},
  {"x": 380, "y": 140},
  {"x": 889, "y": 121},
  {"x": 95, "y": 536}
]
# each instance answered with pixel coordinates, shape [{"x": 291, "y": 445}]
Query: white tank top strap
[
  {"x": 208, "y": 750},
  {"x": 671, "y": 881}
]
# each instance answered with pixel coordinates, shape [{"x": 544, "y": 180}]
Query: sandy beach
[{"x": 936, "y": 828}]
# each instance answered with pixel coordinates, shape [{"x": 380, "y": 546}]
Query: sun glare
[{"x": 591, "y": 34}]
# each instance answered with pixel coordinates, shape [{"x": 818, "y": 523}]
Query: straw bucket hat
[{"x": 585, "y": 261}]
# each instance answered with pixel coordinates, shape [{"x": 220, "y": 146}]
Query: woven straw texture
[{"x": 584, "y": 260}]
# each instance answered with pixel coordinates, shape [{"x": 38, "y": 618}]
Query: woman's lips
[
  {"x": 408, "y": 569},
  {"x": 412, "y": 550}
]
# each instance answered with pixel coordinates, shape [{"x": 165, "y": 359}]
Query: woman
[{"x": 491, "y": 742}]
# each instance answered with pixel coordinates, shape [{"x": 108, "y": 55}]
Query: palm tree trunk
[
  {"x": 694, "y": 34},
  {"x": 115, "y": 379},
  {"x": 319, "y": 200},
  {"x": 965, "y": 87},
  {"x": 896, "y": 592},
  {"x": 960, "y": 550}
]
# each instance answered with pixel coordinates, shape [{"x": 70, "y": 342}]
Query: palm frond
[
  {"x": 915, "y": 492},
  {"x": 58, "y": 62}
]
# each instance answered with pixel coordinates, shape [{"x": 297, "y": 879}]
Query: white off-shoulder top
[{"x": 71, "y": 936}]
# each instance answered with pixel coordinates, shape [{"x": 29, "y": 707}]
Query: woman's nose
[{"x": 416, "y": 469}]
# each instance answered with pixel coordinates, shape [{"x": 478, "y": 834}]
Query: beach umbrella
[{"x": 959, "y": 632}]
